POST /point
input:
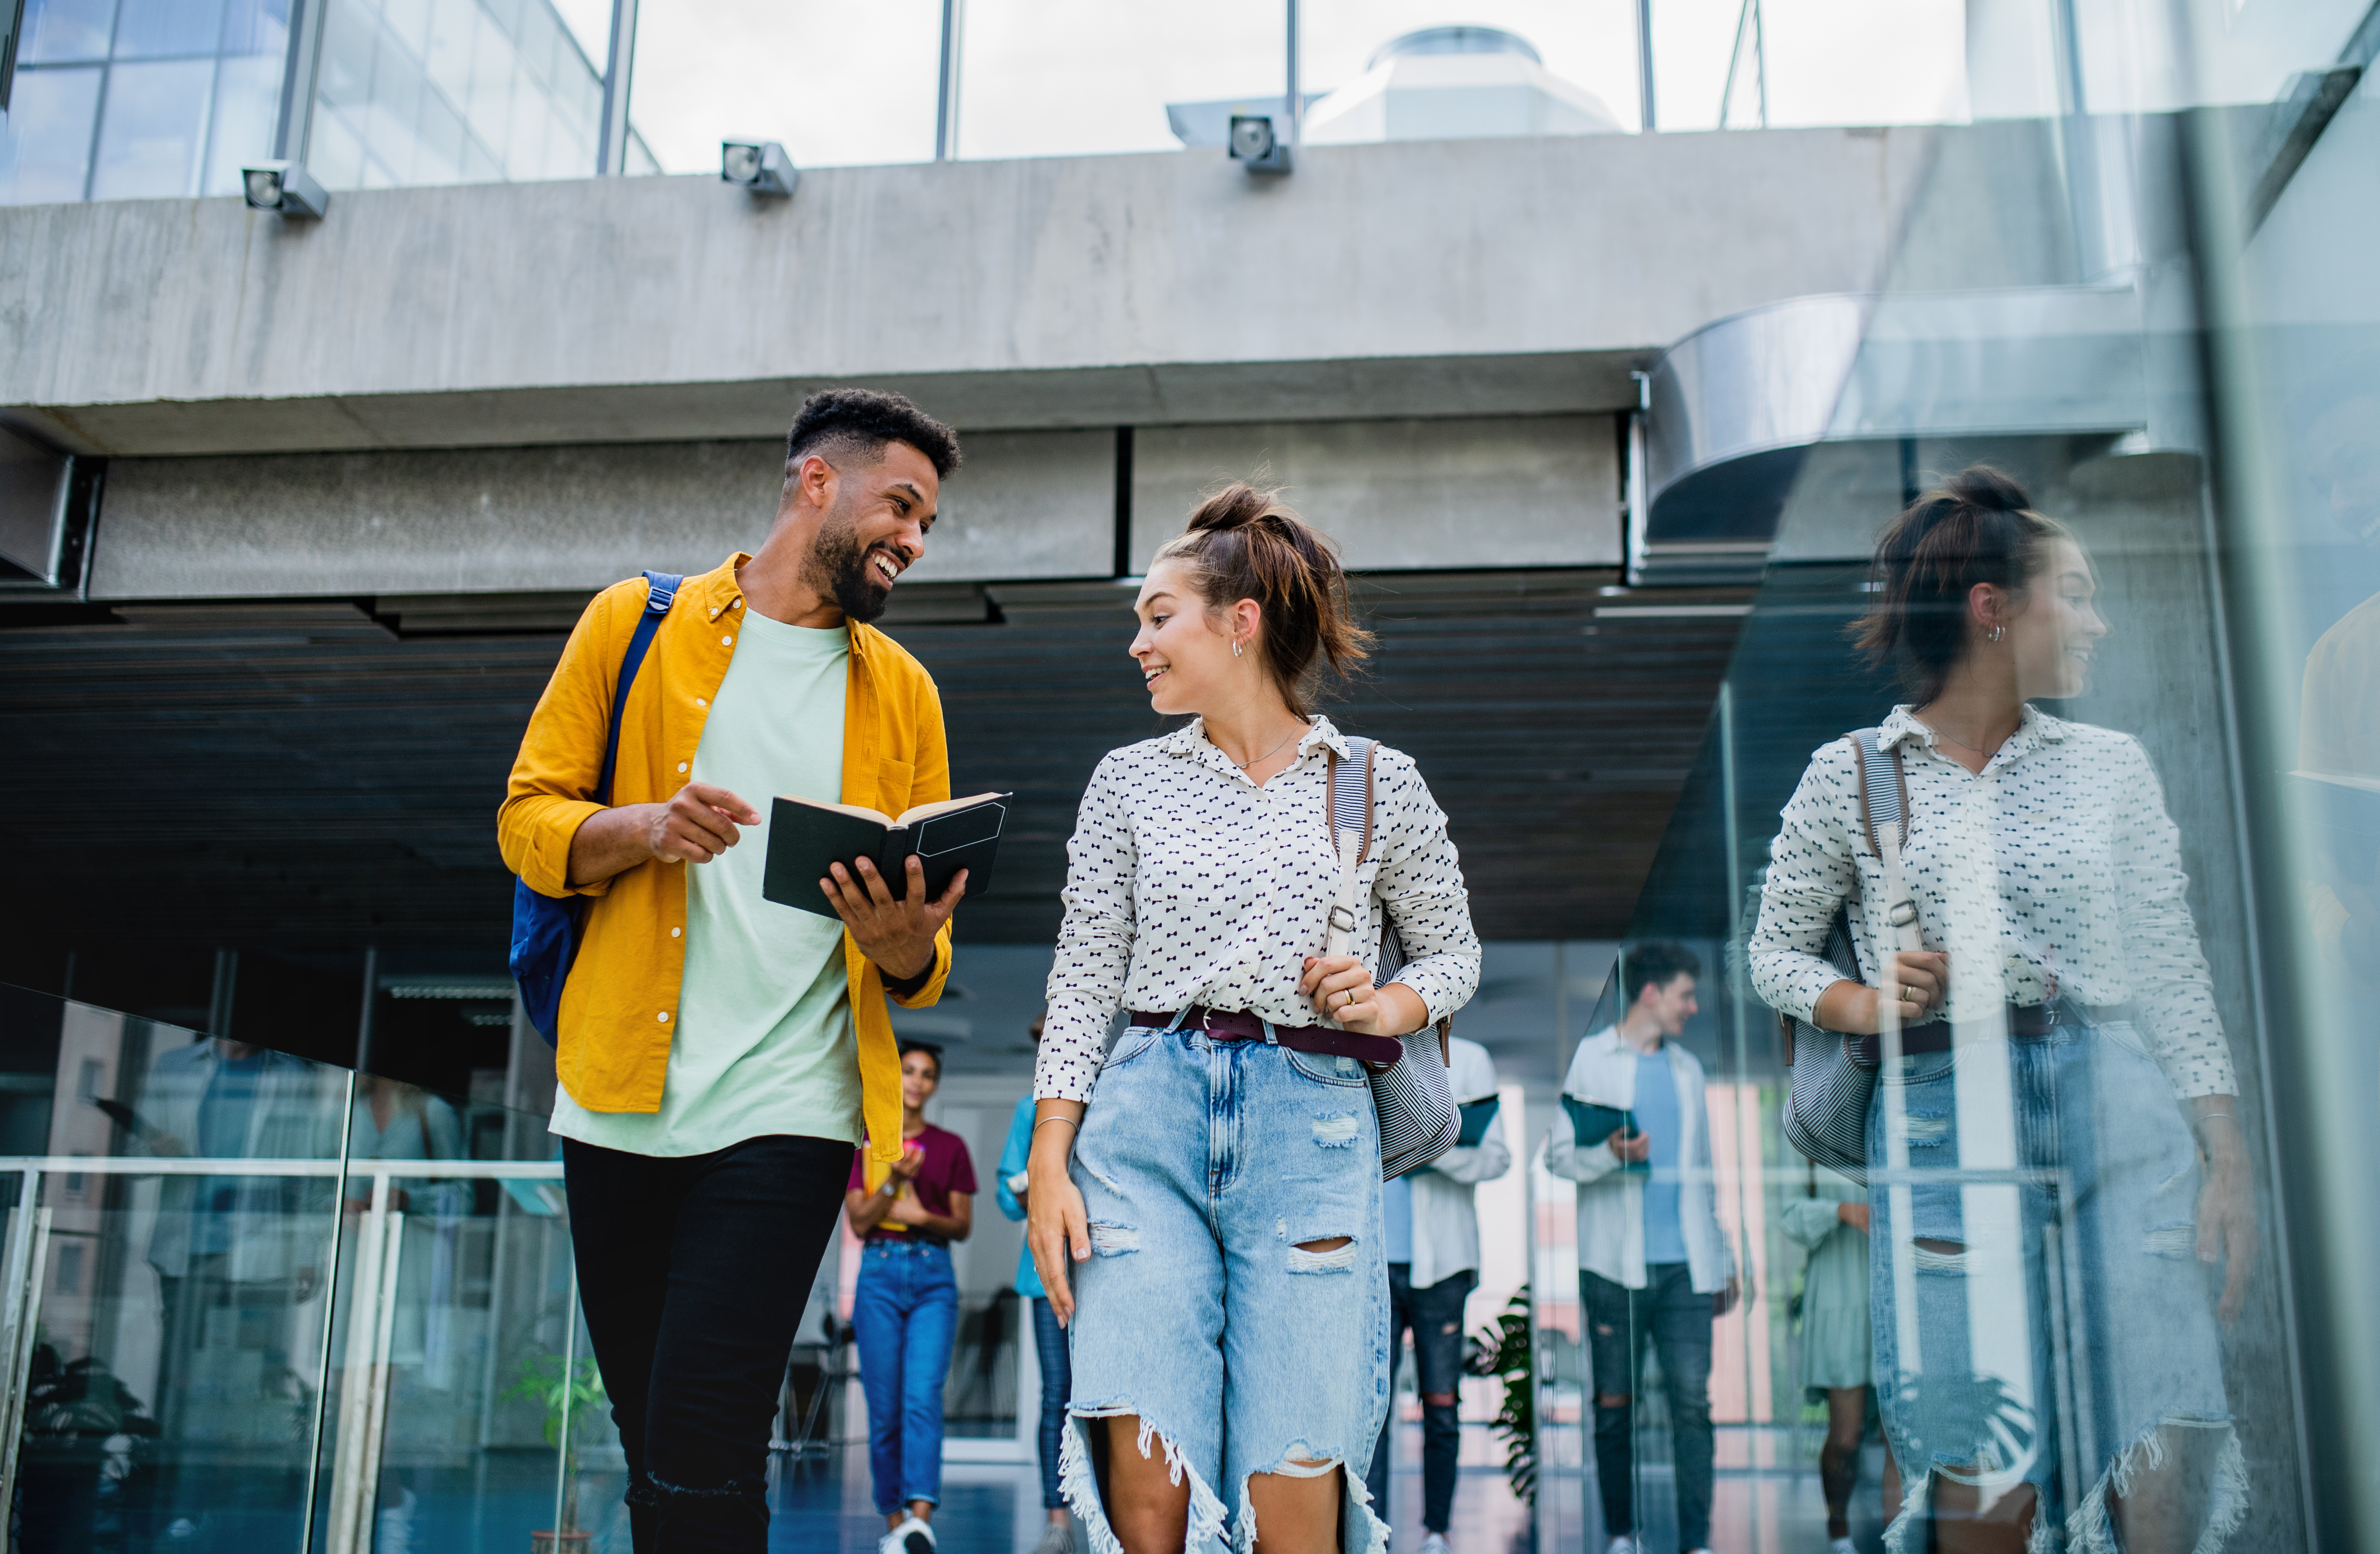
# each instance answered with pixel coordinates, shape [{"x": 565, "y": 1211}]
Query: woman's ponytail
[{"x": 1241, "y": 543}]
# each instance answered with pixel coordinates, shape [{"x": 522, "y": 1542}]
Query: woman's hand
[
  {"x": 1916, "y": 981},
  {"x": 2227, "y": 1201},
  {"x": 1852, "y": 1214},
  {"x": 1056, "y": 1225},
  {"x": 1340, "y": 990}
]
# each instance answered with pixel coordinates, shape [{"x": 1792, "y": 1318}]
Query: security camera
[{"x": 1256, "y": 146}]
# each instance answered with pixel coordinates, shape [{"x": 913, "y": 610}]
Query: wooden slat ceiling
[{"x": 324, "y": 775}]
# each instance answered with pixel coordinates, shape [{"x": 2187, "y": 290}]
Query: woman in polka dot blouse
[
  {"x": 1204, "y": 1200},
  {"x": 2056, "y": 1155}
]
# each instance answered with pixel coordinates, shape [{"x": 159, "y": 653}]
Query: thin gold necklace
[{"x": 1244, "y": 765}]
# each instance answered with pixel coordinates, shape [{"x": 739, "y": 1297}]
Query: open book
[{"x": 805, "y": 836}]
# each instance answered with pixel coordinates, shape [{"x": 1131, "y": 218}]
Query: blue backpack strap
[{"x": 663, "y": 592}]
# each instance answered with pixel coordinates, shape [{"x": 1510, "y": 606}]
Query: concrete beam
[
  {"x": 1537, "y": 490},
  {"x": 497, "y": 520},
  {"x": 1450, "y": 277}
]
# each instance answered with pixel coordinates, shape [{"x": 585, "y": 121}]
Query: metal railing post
[
  {"x": 611, "y": 138},
  {"x": 29, "y": 1248}
]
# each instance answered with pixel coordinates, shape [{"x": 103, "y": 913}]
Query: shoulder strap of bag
[
  {"x": 1350, "y": 828},
  {"x": 663, "y": 587},
  {"x": 1351, "y": 836},
  {"x": 1884, "y": 806}
]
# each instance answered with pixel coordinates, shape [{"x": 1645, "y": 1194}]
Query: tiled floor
[{"x": 1763, "y": 1504}]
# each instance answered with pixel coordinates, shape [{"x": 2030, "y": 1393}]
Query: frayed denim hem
[
  {"x": 1373, "y": 1539},
  {"x": 1080, "y": 1484},
  {"x": 2089, "y": 1529}
]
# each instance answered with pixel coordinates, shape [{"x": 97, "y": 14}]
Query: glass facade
[
  {"x": 142, "y": 99},
  {"x": 447, "y": 92},
  {"x": 2099, "y": 1259},
  {"x": 164, "y": 100}
]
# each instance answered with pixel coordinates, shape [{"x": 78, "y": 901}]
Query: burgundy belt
[
  {"x": 1233, "y": 1025},
  {"x": 2026, "y": 1021}
]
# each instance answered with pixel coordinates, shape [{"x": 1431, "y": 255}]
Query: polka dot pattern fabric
[
  {"x": 1186, "y": 883},
  {"x": 2058, "y": 856}
]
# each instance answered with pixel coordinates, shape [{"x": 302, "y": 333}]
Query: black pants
[
  {"x": 1677, "y": 1322},
  {"x": 692, "y": 1271},
  {"x": 1435, "y": 1315}
]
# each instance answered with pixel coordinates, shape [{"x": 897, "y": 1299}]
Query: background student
[
  {"x": 904, "y": 1312},
  {"x": 1837, "y": 1346},
  {"x": 1049, "y": 1338},
  {"x": 1430, "y": 1228},
  {"x": 1653, "y": 1262}
]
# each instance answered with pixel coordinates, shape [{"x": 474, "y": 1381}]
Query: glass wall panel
[
  {"x": 236, "y": 1286},
  {"x": 1060, "y": 77},
  {"x": 836, "y": 84},
  {"x": 142, "y": 99},
  {"x": 434, "y": 92},
  {"x": 169, "y": 1300}
]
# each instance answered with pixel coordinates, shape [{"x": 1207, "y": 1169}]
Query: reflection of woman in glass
[
  {"x": 2056, "y": 1148},
  {"x": 1829, "y": 1219}
]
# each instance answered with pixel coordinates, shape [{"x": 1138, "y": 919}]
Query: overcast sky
[{"x": 854, "y": 82}]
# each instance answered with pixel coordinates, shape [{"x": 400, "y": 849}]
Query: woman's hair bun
[
  {"x": 1980, "y": 485},
  {"x": 1235, "y": 506}
]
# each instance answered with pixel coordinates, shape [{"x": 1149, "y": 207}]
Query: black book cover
[{"x": 805, "y": 836}]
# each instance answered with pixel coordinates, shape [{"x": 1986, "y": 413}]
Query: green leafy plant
[
  {"x": 542, "y": 1381},
  {"x": 1502, "y": 1350},
  {"x": 566, "y": 1393}
]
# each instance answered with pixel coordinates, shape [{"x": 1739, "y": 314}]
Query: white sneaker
[
  {"x": 1842, "y": 1546},
  {"x": 912, "y": 1537},
  {"x": 1057, "y": 1538},
  {"x": 1623, "y": 1543},
  {"x": 1434, "y": 1544}
]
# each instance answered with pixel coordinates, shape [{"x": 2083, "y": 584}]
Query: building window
[{"x": 142, "y": 99}]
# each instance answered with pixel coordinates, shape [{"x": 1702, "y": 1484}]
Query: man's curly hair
[{"x": 847, "y": 422}]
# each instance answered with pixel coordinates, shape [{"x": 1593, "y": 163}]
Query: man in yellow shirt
[{"x": 720, "y": 1055}]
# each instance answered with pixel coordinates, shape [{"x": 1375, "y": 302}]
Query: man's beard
[{"x": 839, "y": 568}]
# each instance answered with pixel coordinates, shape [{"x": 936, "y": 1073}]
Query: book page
[
  {"x": 856, "y": 811},
  {"x": 927, "y": 811}
]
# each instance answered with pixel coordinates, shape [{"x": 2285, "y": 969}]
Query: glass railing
[
  {"x": 242, "y": 1293},
  {"x": 119, "y": 98}
]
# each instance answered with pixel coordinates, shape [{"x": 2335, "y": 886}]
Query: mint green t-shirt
[{"x": 763, "y": 1043}]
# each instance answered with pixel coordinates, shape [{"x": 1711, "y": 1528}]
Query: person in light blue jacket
[{"x": 1049, "y": 1338}]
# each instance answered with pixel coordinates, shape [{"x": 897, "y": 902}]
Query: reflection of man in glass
[
  {"x": 235, "y": 1256},
  {"x": 2338, "y": 723}
]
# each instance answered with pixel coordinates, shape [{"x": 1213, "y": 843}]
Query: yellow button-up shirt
[{"x": 619, "y": 1008}]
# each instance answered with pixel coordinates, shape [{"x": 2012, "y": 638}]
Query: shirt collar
[
  {"x": 2033, "y": 727},
  {"x": 1190, "y": 740},
  {"x": 718, "y": 592}
]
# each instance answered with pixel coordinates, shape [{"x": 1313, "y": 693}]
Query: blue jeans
[
  {"x": 1435, "y": 1315},
  {"x": 1205, "y": 1166},
  {"x": 1667, "y": 1314},
  {"x": 905, "y": 1315},
  {"x": 1056, "y": 1382},
  {"x": 2040, "y": 1312}
]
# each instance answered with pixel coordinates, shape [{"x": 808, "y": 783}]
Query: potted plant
[{"x": 566, "y": 1392}]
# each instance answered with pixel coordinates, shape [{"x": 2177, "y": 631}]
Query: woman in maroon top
[{"x": 904, "y": 1312}]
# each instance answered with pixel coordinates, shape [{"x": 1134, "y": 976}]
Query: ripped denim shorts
[
  {"x": 1202, "y": 1165},
  {"x": 2040, "y": 1313}
]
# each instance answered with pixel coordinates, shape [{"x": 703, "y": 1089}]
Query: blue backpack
[{"x": 545, "y": 928}]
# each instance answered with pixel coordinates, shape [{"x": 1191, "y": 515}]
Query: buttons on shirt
[
  {"x": 675, "y": 932},
  {"x": 727, "y": 641},
  {"x": 700, "y": 702},
  {"x": 664, "y": 1016},
  {"x": 681, "y": 766}
]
